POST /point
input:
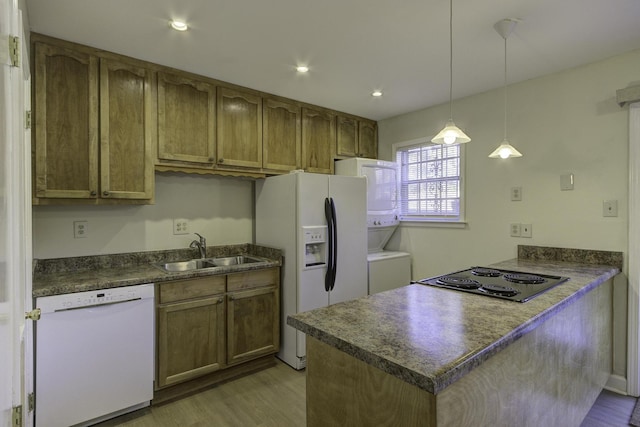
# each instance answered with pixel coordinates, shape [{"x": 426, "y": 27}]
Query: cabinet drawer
[
  {"x": 180, "y": 290},
  {"x": 253, "y": 279}
]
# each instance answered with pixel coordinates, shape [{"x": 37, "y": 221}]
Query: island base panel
[
  {"x": 549, "y": 377},
  {"x": 342, "y": 390}
]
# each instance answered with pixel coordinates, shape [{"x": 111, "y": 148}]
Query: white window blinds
[{"x": 430, "y": 182}]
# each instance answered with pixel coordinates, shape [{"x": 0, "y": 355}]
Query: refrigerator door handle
[
  {"x": 328, "y": 215},
  {"x": 334, "y": 267}
]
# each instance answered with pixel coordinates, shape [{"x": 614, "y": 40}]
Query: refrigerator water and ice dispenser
[{"x": 315, "y": 242}]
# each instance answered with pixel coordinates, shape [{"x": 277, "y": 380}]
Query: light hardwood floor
[{"x": 275, "y": 397}]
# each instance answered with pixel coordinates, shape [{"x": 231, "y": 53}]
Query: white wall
[
  {"x": 219, "y": 208},
  {"x": 567, "y": 122}
]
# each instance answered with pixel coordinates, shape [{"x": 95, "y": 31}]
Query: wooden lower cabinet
[
  {"x": 190, "y": 339},
  {"x": 209, "y": 327},
  {"x": 252, "y": 324},
  {"x": 190, "y": 329}
]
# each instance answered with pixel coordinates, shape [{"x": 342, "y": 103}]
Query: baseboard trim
[{"x": 617, "y": 384}]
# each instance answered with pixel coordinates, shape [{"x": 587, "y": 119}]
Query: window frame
[{"x": 432, "y": 220}]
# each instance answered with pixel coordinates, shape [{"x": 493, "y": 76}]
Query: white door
[{"x": 15, "y": 223}]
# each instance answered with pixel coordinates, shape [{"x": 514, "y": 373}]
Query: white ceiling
[{"x": 351, "y": 46}]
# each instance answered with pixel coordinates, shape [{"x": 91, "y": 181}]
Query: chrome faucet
[{"x": 201, "y": 245}]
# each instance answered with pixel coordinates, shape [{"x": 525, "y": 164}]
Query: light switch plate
[
  {"x": 610, "y": 208},
  {"x": 566, "y": 182}
]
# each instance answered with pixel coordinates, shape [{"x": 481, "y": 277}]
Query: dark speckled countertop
[
  {"x": 78, "y": 274},
  {"x": 430, "y": 337}
]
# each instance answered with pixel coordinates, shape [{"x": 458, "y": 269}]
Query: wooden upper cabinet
[
  {"x": 356, "y": 138},
  {"x": 186, "y": 120},
  {"x": 66, "y": 123},
  {"x": 318, "y": 140},
  {"x": 281, "y": 135},
  {"x": 95, "y": 127},
  {"x": 127, "y": 130},
  {"x": 368, "y": 139},
  {"x": 239, "y": 134},
  {"x": 347, "y": 136}
]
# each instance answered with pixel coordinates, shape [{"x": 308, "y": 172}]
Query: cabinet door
[
  {"x": 186, "y": 120},
  {"x": 318, "y": 140},
  {"x": 128, "y": 123},
  {"x": 239, "y": 136},
  {"x": 253, "y": 327},
  {"x": 190, "y": 339},
  {"x": 368, "y": 139},
  {"x": 347, "y": 136},
  {"x": 66, "y": 123},
  {"x": 281, "y": 135}
]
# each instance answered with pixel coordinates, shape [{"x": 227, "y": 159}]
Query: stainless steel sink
[
  {"x": 200, "y": 264},
  {"x": 194, "y": 264},
  {"x": 232, "y": 260}
]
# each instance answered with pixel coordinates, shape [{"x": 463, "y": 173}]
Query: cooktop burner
[
  {"x": 459, "y": 282},
  {"x": 527, "y": 279},
  {"x": 486, "y": 272},
  {"x": 512, "y": 285}
]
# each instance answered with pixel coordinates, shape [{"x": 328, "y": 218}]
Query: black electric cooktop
[{"x": 506, "y": 284}]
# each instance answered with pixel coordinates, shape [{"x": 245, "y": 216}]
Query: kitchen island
[{"x": 421, "y": 355}]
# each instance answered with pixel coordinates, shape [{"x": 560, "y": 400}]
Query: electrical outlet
[
  {"x": 80, "y": 229},
  {"x": 180, "y": 226},
  {"x": 515, "y": 230},
  {"x": 526, "y": 230},
  {"x": 516, "y": 194},
  {"x": 610, "y": 208}
]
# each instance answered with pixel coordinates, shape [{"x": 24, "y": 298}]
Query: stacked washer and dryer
[{"x": 387, "y": 269}]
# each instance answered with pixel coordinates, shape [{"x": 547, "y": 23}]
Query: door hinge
[
  {"x": 14, "y": 50},
  {"x": 27, "y": 120},
  {"x": 16, "y": 416},
  {"x": 33, "y": 314},
  {"x": 31, "y": 400}
]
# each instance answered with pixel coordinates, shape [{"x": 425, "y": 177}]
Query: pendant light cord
[
  {"x": 505, "y": 88},
  {"x": 451, "y": 60}
]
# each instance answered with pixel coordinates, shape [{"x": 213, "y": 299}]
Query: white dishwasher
[{"x": 94, "y": 355}]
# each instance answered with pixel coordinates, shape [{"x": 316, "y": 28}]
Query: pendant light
[
  {"x": 505, "y": 150},
  {"x": 451, "y": 134}
]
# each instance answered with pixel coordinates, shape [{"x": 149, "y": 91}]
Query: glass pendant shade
[
  {"x": 451, "y": 134},
  {"x": 505, "y": 151}
]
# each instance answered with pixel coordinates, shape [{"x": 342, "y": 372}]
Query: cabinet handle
[
  {"x": 212, "y": 159},
  {"x": 231, "y": 297},
  {"x": 220, "y": 160},
  {"x": 93, "y": 193},
  {"x": 220, "y": 300},
  {"x": 105, "y": 193}
]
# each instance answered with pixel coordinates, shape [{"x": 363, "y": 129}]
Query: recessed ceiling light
[
  {"x": 376, "y": 93},
  {"x": 302, "y": 68},
  {"x": 179, "y": 25}
]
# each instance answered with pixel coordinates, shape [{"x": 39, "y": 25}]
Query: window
[{"x": 430, "y": 181}]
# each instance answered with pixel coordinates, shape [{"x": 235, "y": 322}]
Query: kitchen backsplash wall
[{"x": 219, "y": 208}]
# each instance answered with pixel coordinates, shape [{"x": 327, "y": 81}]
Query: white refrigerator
[{"x": 319, "y": 222}]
